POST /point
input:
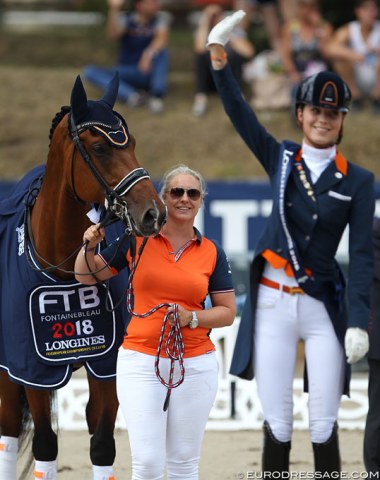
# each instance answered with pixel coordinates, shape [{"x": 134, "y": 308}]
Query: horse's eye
[{"x": 100, "y": 149}]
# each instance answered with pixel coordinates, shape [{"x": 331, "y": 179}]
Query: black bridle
[{"x": 116, "y": 207}]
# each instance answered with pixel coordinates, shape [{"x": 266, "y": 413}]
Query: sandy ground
[{"x": 225, "y": 455}]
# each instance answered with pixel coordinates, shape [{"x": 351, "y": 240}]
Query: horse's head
[{"x": 104, "y": 164}]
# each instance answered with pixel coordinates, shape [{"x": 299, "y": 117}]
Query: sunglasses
[{"x": 179, "y": 192}]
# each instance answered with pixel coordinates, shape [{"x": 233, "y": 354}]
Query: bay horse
[{"x": 49, "y": 323}]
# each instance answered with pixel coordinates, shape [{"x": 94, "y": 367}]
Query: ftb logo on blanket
[{"x": 71, "y": 322}]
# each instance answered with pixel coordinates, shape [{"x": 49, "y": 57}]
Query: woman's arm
[
  {"x": 262, "y": 144},
  {"x": 114, "y": 28},
  {"x": 337, "y": 48},
  {"x": 326, "y": 35},
  {"x": 241, "y": 45},
  {"x": 208, "y": 15},
  {"x": 360, "y": 266},
  {"x": 286, "y": 53},
  {"x": 221, "y": 314},
  {"x": 159, "y": 42},
  {"x": 87, "y": 262}
]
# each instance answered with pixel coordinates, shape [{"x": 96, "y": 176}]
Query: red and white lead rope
[{"x": 174, "y": 345}]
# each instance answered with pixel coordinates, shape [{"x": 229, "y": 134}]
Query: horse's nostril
[{"x": 150, "y": 217}]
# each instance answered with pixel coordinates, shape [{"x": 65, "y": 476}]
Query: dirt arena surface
[{"x": 226, "y": 455}]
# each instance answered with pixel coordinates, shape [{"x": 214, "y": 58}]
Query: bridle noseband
[{"x": 115, "y": 205}]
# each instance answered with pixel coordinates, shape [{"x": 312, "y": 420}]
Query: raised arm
[
  {"x": 219, "y": 36},
  {"x": 114, "y": 27},
  {"x": 262, "y": 144},
  {"x": 206, "y": 21}
]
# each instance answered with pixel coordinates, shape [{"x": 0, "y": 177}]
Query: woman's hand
[
  {"x": 184, "y": 316},
  {"x": 210, "y": 13},
  {"x": 93, "y": 235},
  {"x": 220, "y": 34},
  {"x": 356, "y": 344}
]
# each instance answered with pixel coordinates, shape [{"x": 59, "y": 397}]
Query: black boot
[
  {"x": 327, "y": 455},
  {"x": 275, "y": 453}
]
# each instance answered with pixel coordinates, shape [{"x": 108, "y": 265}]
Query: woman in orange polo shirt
[{"x": 177, "y": 269}]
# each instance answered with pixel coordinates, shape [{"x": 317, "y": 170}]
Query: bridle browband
[{"x": 115, "y": 205}]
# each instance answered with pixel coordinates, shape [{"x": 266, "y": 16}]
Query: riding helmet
[{"x": 325, "y": 90}]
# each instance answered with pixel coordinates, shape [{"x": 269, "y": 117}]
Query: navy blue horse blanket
[{"x": 47, "y": 326}]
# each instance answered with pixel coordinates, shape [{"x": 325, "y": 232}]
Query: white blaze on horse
[{"x": 49, "y": 323}]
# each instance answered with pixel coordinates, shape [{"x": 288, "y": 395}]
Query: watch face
[{"x": 194, "y": 321}]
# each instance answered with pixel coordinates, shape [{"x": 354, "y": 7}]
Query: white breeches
[
  {"x": 281, "y": 321},
  {"x": 172, "y": 438}
]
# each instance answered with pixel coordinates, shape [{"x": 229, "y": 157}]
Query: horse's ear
[
  {"x": 79, "y": 104},
  {"x": 112, "y": 90}
]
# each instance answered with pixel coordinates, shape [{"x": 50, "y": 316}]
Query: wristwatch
[{"x": 194, "y": 321}]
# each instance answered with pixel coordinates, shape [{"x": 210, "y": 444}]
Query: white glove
[
  {"x": 356, "y": 344},
  {"x": 221, "y": 32}
]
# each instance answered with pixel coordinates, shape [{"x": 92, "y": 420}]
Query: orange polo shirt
[{"x": 163, "y": 276}]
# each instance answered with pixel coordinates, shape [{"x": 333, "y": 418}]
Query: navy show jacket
[{"x": 344, "y": 196}]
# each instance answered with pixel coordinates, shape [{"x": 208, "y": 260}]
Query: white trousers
[
  {"x": 172, "y": 438},
  {"x": 281, "y": 321}
]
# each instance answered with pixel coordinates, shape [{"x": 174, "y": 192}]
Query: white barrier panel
[{"x": 72, "y": 399}]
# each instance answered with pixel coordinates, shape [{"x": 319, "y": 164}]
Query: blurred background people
[
  {"x": 287, "y": 9},
  {"x": 239, "y": 50},
  {"x": 143, "y": 62},
  {"x": 273, "y": 13},
  {"x": 303, "y": 43},
  {"x": 271, "y": 21},
  {"x": 355, "y": 50}
]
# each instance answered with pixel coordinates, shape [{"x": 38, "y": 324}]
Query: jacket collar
[{"x": 340, "y": 161}]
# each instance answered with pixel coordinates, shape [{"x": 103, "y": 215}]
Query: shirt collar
[{"x": 198, "y": 235}]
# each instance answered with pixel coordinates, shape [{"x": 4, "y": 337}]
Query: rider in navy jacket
[
  {"x": 344, "y": 197},
  {"x": 317, "y": 193}
]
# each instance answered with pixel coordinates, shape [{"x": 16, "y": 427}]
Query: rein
[
  {"x": 29, "y": 202},
  {"x": 174, "y": 345}
]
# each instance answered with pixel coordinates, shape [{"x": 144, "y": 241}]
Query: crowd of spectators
[{"x": 300, "y": 42}]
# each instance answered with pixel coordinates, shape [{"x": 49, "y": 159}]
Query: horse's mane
[{"x": 58, "y": 117}]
